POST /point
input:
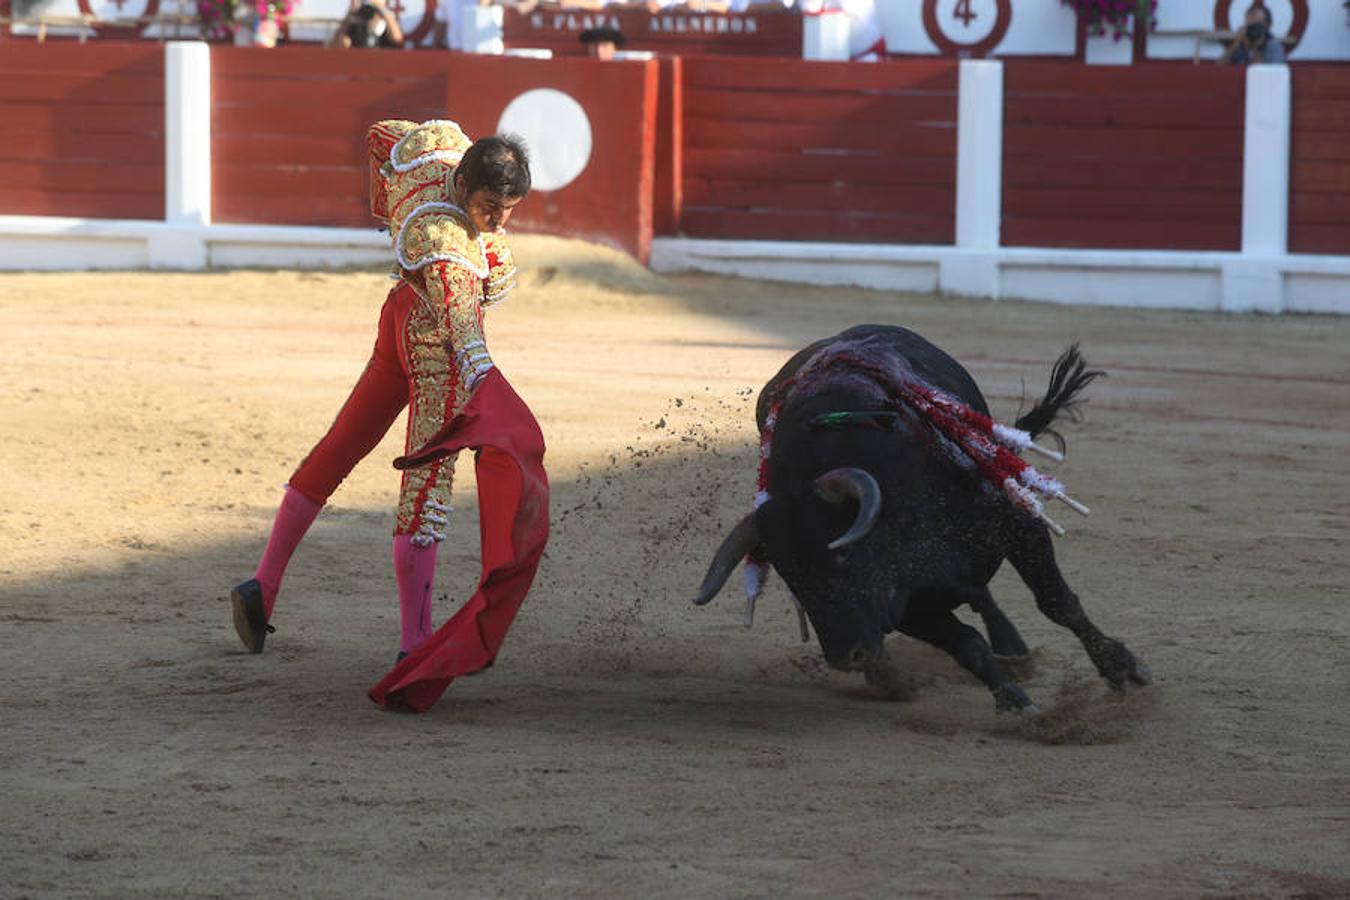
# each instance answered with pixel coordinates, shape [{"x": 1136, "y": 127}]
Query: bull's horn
[
  {"x": 743, "y": 539},
  {"x": 851, "y": 484}
]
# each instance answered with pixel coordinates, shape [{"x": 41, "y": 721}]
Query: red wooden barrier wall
[
  {"x": 288, "y": 129},
  {"x": 83, "y": 130},
  {"x": 1319, "y": 175},
  {"x": 1123, "y": 157},
  {"x": 688, "y": 34},
  {"x": 792, "y": 150},
  {"x": 289, "y": 133}
]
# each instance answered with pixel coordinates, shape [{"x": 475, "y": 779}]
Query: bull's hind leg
[
  {"x": 1034, "y": 558},
  {"x": 946, "y": 632},
  {"x": 1003, "y": 634}
]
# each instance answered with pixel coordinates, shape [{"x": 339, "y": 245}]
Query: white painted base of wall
[
  {"x": 50, "y": 243},
  {"x": 1140, "y": 279}
]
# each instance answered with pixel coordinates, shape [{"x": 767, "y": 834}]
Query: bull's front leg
[
  {"x": 946, "y": 632},
  {"x": 1034, "y": 559}
]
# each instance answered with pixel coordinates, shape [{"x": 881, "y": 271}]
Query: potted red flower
[
  {"x": 249, "y": 23},
  {"x": 1113, "y": 17}
]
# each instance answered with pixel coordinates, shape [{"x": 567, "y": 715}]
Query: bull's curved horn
[
  {"x": 743, "y": 538},
  {"x": 839, "y": 485}
]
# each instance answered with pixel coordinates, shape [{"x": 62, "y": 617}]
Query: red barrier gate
[
  {"x": 792, "y": 150},
  {"x": 1123, "y": 157},
  {"x": 84, "y": 130},
  {"x": 1319, "y": 174},
  {"x": 289, "y": 133}
]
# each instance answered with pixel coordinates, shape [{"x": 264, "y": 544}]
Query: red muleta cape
[{"x": 513, "y": 517}]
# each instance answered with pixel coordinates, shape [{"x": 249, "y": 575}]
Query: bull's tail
[{"x": 1067, "y": 380}]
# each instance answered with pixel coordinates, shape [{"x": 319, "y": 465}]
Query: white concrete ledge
[
  {"x": 50, "y": 243},
  {"x": 1132, "y": 278}
]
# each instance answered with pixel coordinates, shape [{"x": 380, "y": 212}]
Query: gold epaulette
[
  {"x": 501, "y": 278},
  {"x": 438, "y": 140},
  {"x": 440, "y": 232}
]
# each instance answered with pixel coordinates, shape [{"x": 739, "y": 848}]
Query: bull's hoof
[
  {"x": 1011, "y": 698},
  {"x": 1122, "y": 670},
  {"x": 1018, "y": 668},
  {"x": 1142, "y": 674},
  {"x": 888, "y": 681}
]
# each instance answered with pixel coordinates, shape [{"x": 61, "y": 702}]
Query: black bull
[{"x": 875, "y": 530}]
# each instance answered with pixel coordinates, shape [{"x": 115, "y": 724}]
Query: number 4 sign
[{"x": 966, "y": 27}]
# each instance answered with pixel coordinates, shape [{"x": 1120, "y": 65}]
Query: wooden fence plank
[
  {"x": 94, "y": 176},
  {"x": 59, "y": 87},
  {"x": 1137, "y": 235},
  {"x": 778, "y": 74},
  {"x": 1117, "y": 143},
  {"x": 818, "y": 226},
  {"x": 833, "y": 107},
  {"x": 87, "y": 119},
  {"x": 900, "y": 138},
  {"x": 1154, "y": 112},
  {"x": 108, "y": 149},
  {"x": 1139, "y": 204},
  {"x": 91, "y": 60},
  {"x": 839, "y": 197},
  {"x": 336, "y": 210},
  {"x": 791, "y": 163},
  {"x": 105, "y": 204},
  {"x": 1187, "y": 174}
]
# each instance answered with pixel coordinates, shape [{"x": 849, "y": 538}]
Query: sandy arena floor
[{"x": 628, "y": 744}]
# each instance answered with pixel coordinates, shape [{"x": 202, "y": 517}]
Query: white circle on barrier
[{"x": 557, "y": 134}]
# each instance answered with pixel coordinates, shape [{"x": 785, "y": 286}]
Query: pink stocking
[
  {"x": 294, "y": 516},
  {"x": 415, "y": 569}
]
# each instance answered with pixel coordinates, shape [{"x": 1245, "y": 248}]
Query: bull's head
[{"x": 835, "y": 591}]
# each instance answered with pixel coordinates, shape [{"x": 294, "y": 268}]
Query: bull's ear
[{"x": 742, "y": 540}]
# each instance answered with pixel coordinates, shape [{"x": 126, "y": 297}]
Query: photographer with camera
[
  {"x": 1255, "y": 43},
  {"x": 368, "y": 23}
]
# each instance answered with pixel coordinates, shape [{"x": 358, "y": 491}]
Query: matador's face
[{"x": 488, "y": 210}]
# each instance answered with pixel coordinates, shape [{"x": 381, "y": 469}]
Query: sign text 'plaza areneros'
[{"x": 654, "y": 24}]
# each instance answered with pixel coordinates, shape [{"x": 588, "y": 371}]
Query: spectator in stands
[
  {"x": 602, "y": 42},
  {"x": 1255, "y": 43},
  {"x": 451, "y": 15},
  {"x": 368, "y": 23}
]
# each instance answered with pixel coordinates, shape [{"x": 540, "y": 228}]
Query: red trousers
[{"x": 375, "y": 402}]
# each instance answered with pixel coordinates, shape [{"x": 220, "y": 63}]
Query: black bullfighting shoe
[{"x": 250, "y": 621}]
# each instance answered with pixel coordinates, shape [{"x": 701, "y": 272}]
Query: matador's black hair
[{"x": 499, "y": 163}]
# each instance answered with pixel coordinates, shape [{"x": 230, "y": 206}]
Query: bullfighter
[{"x": 446, "y": 202}]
